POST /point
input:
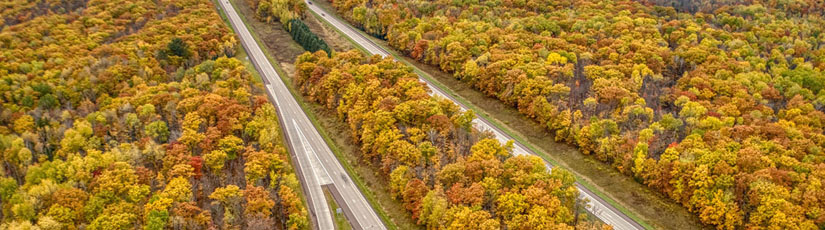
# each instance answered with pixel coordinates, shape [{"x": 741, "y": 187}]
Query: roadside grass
[
  {"x": 341, "y": 222},
  {"x": 646, "y": 206},
  {"x": 371, "y": 185}
]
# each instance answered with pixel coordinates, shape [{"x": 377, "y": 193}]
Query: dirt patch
[
  {"x": 272, "y": 34},
  {"x": 289, "y": 68},
  {"x": 280, "y": 43},
  {"x": 329, "y": 34}
]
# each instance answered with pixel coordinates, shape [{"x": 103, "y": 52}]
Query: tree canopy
[
  {"x": 111, "y": 109},
  {"x": 447, "y": 174},
  {"x": 718, "y": 105}
]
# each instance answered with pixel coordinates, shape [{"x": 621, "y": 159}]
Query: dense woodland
[
  {"x": 795, "y": 7},
  {"x": 446, "y": 173},
  {"x": 718, "y": 105},
  {"x": 128, "y": 115}
]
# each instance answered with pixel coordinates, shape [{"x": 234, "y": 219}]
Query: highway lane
[
  {"x": 598, "y": 206},
  {"x": 317, "y": 165}
]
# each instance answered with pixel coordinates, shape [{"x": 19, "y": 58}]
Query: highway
[
  {"x": 317, "y": 166},
  {"x": 598, "y": 206}
]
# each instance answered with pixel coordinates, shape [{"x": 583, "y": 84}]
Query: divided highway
[
  {"x": 598, "y": 206},
  {"x": 317, "y": 166}
]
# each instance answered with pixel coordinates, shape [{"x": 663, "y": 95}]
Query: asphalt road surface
[
  {"x": 317, "y": 165},
  {"x": 598, "y": 207}
]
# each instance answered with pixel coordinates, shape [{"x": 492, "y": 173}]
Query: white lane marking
[
  {"x": 272, "y": 92},
  {"x": 324, "y": 178}
]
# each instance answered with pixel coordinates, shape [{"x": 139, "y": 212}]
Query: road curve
[
  {"x": 598, "y": 206},
  {"x": 317, "y": 165}
]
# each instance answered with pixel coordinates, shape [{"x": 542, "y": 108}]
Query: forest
[
  {"x": 135, "y": 115},
  {"x": 447, "y": 174},
  {"x": 717, "y": 105}
]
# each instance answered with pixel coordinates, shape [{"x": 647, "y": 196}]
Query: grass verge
[{"x": 341, "y": 222}]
